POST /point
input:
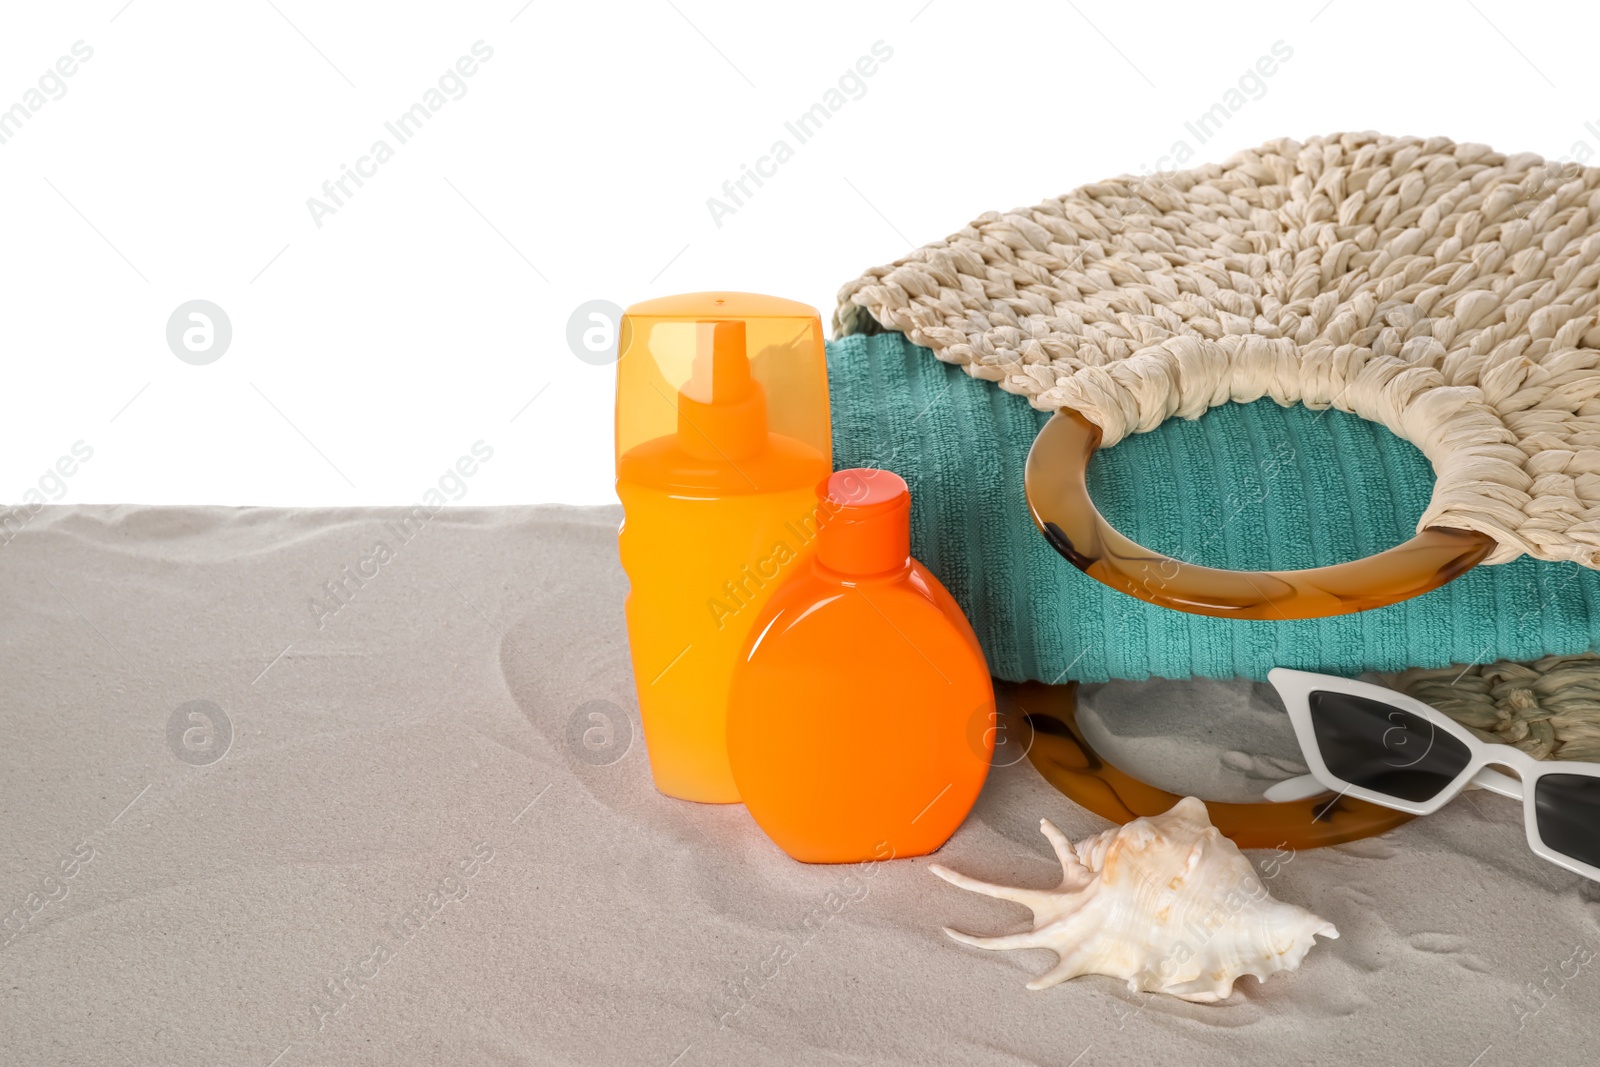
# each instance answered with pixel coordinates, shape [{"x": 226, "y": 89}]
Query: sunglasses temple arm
[{"x": 1291, "y": 789}]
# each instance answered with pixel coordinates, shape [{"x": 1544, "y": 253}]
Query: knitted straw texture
[
  {"x": 1550, "y": 709},
  {"x": 1445, "y": 291}
]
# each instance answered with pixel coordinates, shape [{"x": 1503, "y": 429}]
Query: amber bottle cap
[
  {"x": 864, "y": 522},
  {"x": 717, "y": 372}
]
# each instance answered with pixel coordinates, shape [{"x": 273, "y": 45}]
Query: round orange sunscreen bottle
[
  {"x": 860, "y": 721},
  {"x": 722, "y": 436}
]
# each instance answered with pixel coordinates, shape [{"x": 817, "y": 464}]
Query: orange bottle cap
[
  {"x": 864, "y": 522},
  {"x": 718, "y": 372}
]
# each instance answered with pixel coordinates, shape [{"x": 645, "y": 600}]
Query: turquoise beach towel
[{"x": 1246, "y": 486}]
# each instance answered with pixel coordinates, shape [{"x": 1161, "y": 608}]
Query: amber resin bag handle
[
  {"x": 1047, "y": 716},
  {"x": 1058, "y": 496}
]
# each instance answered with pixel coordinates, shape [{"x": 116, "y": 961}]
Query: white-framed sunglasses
[{"x": 1375, "y": 744}]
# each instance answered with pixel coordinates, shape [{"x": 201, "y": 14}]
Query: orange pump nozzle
[
  {"x": 722, "y": 410},
  {"x": 686, "y": 404},
  {"x": 864, "y": 522}
]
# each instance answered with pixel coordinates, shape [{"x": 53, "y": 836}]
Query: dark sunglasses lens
[
  {"x": 1566, "y": 808},
  {"x": 1379, "y": 747}
]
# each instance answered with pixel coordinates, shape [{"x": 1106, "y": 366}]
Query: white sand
[{"x": 394, "y": 753}]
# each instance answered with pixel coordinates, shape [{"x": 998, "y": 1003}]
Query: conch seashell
[{"x": 1166, "y": 903}]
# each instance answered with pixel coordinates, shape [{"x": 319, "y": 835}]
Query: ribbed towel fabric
[{"x": 1245, "y": 486}]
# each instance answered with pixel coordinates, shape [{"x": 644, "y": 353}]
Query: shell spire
[{"x": 1165, "y": 903}]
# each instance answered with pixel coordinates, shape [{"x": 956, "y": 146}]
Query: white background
[{"x": 428, "y": 311}]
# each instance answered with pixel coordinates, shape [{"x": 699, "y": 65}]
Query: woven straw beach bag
[{"x": 1353, "y": 386}]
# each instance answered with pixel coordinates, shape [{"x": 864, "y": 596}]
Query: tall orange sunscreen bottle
[
  {"x": 860, "y": 725},
  {"x": 722, "y": 437}
]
